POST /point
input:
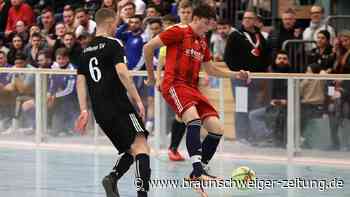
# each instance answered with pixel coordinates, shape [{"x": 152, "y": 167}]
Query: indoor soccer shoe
[
  {"x": 109, "y": 183},
  {"x": 175, "y": 155}
]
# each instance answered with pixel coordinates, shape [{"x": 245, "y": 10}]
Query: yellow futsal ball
[{"x": 241, "y": 176}]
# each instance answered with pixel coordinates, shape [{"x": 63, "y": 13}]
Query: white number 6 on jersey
[{"x": 95, "y": 72}]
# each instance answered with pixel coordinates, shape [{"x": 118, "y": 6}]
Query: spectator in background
[
  {"x": 246, "y": 49},
  {"x": 16, "y": 46},
  {"x": 112, "y": 4},
  {"x": 60, "y": 30},
  {"x": 32, "y": 50},
  {"x": 85, "y": 23},
  {"x": 3, "y": 48},
  {"x": 127, "y": 10},
  {"x": 313, "y": 99},
  {"x": 69, "y": 20},
  {"x": 44, "y": 59},
  {"x": 62, "y": 96},
  {"x": 73, "y": 47},
  {"x": 130, "y": 34},
  {"x": 18, "y": 11},
  {"x": 84, "y": 40},
  {"x": 323, "y": 54},
  {"x": 153, "y": 11},
  {"x": 219, "y": 39},
  {"x": 22, "y": 30},
  {"x": 260, "y": 25},
  {"x": 7, "y": 98},
  {"x": 317, "y": 24},
  {"x": 47, "y": 25},
  {"x": 23, "y": 83},
  {"x": 286, "y": 31},
  {"x": 5, "y": 6},
  {"x": 155, "y": 26},
  {"x": 275, "y": 126},
  {"x": 185, "y": 11}
]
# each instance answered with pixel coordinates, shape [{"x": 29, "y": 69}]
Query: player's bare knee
[{"x": 213, "y": 125}]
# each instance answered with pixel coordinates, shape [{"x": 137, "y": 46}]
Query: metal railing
[
  {"x": 293, "y": 101},
  {"x": 338, "y": 22}
]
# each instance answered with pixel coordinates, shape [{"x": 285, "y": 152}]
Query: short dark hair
[
  {"x": 224, "y": 22},
  {"x": 169, "y": 18},
  {"x": 20, "y": 56},
  {"x": 155, "y": 20},
  {"x": 103, "y": 14},
  {"x": 281, "y": 52},
  {"x": 289, "y": 11},
  {"x": 157, "y": 8},
  {"x": 204, "y": 11},
  {"x": 140, "y": 17},
  {"x": 129, "y": 3},
  {"x": 81, "y": 10},
  {"x": 62, "y": 52},
  {"x": 326, "y": 34},
  {"x": 47, "y": 9},
  {"x": 185, "y": 4},
  {"x": 45, "y": 52},
  {"x": 69, "y": 33},
  {"x": 36, "y": 34}
]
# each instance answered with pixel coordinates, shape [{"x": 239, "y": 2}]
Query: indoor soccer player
[
  {"x": 104, "y": 70},
  {"x": 187, "y": 50}
]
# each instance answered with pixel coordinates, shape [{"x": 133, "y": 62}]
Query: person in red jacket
[{"x": 19, "y": 11}]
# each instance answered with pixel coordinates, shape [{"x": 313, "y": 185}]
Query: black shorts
[{"x": 123, "y": 130}]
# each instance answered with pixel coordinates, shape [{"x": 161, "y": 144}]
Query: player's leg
[
  {"x": 150, "y": 109},
  {"x": 178, "y": 130},
  {"x": 121, "y": 167},
  {"x": 193, "y": 142},
  {"x": 140, "y": 151},
  {"x": 212, "y": 140}
]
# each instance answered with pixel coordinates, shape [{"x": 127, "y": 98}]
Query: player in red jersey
[{"x": 187, "y": 51}]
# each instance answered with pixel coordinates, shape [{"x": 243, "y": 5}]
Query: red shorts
[{"x": 182, "y": 97}]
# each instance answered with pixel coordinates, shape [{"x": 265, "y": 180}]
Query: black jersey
[{"x": 108, "y": 94}]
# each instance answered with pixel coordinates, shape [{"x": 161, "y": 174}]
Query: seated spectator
[
  {"x": 7, "y": 97},
  {"x": 21, "y": 29},
  {"x": 47, "y": 23},
  {"x": 23, "y": 83},
  {"x": 19, "y": 11},
  {"x": 260, "y": 25},
  {"x": 112, "y": 4},
  {"x": 3, "y": 48},
  {"x": 32, "y": 50},
  {"x": 317, "y": 24},
  {"x": 127, "y": 10},
  {"x": 85, "y": 24},
  {"x": 60, "y": 30},
  {"x": 313, "y": 99},
  {"x": 323, "y": 54},
  {"x": 153, "y": 11},
  {"x": 62, "y": 96},
  {"x": 272, "y": 120},
  {"x": 73, "y": 47},
  {"x": 84, "y": 40},
  {"x": 44, "y": 59},
  {"x": 17, "y": 45},
  {"x": 69, "y": 20}
]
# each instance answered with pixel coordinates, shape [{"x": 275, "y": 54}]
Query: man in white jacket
[{"x": 317, "y": 24}]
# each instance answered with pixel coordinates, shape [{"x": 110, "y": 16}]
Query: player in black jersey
[{"x": 104, "y": 70}]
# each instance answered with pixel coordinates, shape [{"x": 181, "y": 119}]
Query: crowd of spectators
[{"x": 52, "y": 34}]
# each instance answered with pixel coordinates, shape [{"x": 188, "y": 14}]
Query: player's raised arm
[
  {"x": 124, "y": 76},
  {"x": 153, "y": 44}
]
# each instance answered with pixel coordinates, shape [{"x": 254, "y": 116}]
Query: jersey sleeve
[
  {"x": 117, "y": 53},
  {"x": 171, "y": 35}
]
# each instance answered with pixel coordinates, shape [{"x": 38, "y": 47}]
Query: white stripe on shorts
[
  {"x": 176, "y": 99},
  {"x": 135, "y": 123}
]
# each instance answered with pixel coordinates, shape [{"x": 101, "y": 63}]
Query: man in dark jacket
[
  {"x": 246, "y": 49},
  {"x": 285, "y": 32}
]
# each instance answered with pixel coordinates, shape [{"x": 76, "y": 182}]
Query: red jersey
[
  {"x": 185, "y": 53},
  {"x": 24, "y": 13}
]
